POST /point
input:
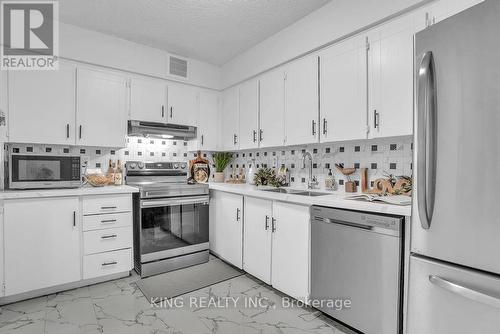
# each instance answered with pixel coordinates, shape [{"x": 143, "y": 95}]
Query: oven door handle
[{"x": 175, "y": 201}]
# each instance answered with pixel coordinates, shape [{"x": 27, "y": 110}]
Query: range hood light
[{"x": 167, "y": 136}]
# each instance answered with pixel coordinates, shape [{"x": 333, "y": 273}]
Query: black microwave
[{"x": 44, "y": 171}]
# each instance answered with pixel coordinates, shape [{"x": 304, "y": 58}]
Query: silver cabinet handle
[
  {"x": 108, "y": 221},
  {"x": 108, "y": 207},
  {"x": 376, "y": 119},
  {"x": 313, "y": 127},
  {"x": 105, "y": 264},
  {"x": 426, "y": 140},
  {"x": 273, "y": 224},
  {"x": 171, "y": 112},
  {"x": 74, "y": 218},
  {"x": 254, "y": 136},
  {"x": 67, "y": 130},
  {"x": 238, "y": 214},
  {"x": 465, "y": 292},
  {"x": 235, "y": 139},
  {"x": 80, "y": 132},
  {"x": 267, "y": 223},
  {"x": 202, "y": 140},
  {"x": 261, "y": 135},
  {"x": 110, "y": 236},
  {"x": 325, "y": 123},
  {"x": 162, "y": 111}
]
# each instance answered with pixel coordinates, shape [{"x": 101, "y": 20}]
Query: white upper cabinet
[
  {"x": 208, "y": 120},
  {"x": 440, "y": 10},
  {"x": 229, "y": 120},
  {"x": 301, "y": 101},
  {"x": 101, "y": 116},
  {"x": 249, "y": 114},
  {"x": 343, "y": 108},
  {"x": 148, "y": 101},
  {"x": 391, "y": 79},
  {"x": 42, "y": 243},
  {"x": 272, "y": 109},
  {"x": 182, "y": 104},
  {"x": 42, "y": 106},
  {"x": 257, "y": 238}
]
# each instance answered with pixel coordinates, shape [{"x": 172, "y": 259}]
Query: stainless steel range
[{"x": 170, "y": 217}]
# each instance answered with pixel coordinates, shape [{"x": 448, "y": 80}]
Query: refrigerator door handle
[
  {"x": 427, "y": 136},
  {"x": 465, "y": 292}
]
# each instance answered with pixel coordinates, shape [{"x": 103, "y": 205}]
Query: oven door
[{"x": 172, "y": 227}]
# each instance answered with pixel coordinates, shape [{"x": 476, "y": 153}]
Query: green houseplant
[{"x": 221, "y": 160}]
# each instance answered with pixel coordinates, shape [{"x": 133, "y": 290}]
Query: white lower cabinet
[
  {"x": 41, "y": 242},
  {"x": 47, "y": 241},
  {"x": 108, "y": 263},
  {"x": 290, "y": 255},
  {"x": 276, "y": 245},
  {"x": 257, "y": 238},
  {"x": 226, "y": 227}
]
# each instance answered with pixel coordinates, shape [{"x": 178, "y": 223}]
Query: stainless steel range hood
[{"x": 161, "y": 130}]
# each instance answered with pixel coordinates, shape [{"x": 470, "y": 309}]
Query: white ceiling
[{"x": 214, "y": 31}]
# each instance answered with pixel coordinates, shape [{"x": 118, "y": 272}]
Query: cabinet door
[
  {"x": 42, "y": 106},
  {"x": 182, "y": 104},
  {"x": 101, "y": 113},
  {"x": 301, "y": 101},
  {"x": 290, "y": 249},
  {"x": 344, "y": 91},
  {"x": 148, "y": 100},
  {"x": 257, "y": 236},
  {"x": 226, "y": 227},
  {"x": 229, "y": 122},
  {"x": 208, "y": 129},
  {"x": 249, "y": 114},
  {"x": 391, "y": 80},
  {"x": 42, "y": 243},
  {"x": 272, "y": 109}
]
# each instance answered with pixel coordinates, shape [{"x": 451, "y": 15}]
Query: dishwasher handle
[{"x": 368, "y": 228}]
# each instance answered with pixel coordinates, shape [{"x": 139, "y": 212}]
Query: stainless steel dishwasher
[{"x": 356, "y": 258}]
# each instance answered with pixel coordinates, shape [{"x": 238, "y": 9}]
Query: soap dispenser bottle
[{"x": 329, "y": 181}]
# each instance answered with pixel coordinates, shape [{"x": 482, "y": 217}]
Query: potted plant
[{"x": 221, "y": 160}]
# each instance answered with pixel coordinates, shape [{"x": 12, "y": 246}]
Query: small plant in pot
[{"x": 221, "y": 160}]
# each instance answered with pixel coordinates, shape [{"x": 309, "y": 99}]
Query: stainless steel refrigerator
[{"x": 454, "y": 284}]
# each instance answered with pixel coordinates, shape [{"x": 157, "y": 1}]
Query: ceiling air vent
[{"x": 178, "y": 67}]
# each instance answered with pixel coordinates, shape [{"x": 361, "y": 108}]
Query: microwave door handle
[
  {"x": 426, "y": 139},
  {"x": 478, "y": 296}
]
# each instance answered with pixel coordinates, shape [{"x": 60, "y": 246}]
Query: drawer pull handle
[
  {"x": 111, "y": 236},
  {"x": 105, "y": 264},
  {"x": 108, "y": 221},
  {"x": 108, "y": 207}
]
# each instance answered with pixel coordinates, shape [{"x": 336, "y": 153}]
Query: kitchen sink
[
  {"x": 310, "y": 193},
  {"x": 295, "y": 192}
]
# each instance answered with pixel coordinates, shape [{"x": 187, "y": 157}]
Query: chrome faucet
[{"x": 312, "y": 183}]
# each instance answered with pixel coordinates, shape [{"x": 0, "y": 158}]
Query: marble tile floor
[{"x": 119, "y": 307}]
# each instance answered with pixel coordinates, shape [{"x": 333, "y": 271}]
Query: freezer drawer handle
[
  {"x": 471, "y": 294},
  {"x": 426, "y": 139}
]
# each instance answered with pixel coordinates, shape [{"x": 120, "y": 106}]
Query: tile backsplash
[{"x": 381, "y": 156}]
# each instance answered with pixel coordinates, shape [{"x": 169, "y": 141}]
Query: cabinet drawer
[
  {"x": 107, "y": 263},
  {"x": 111, "y": 220},
  {"x": 107, "y": 240},
  {"x": 107, "y": 204}
]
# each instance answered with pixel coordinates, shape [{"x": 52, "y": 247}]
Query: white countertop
[
  {"x": 82, "y": 191},
  {"x": 335, "y": 200}
]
